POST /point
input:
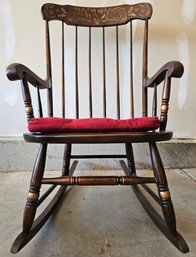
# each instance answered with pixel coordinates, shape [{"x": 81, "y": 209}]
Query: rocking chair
[{"x": 93, "y": 129}]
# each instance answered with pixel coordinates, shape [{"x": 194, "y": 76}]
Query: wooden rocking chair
[{"x": 50, "y": 129}]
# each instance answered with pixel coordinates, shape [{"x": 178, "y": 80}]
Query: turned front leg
[
  {"x": 163, "y": 190},
  {"x": 35, "y": 184}
]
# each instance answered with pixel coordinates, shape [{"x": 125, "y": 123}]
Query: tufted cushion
[{"x": 56, "y": 125}]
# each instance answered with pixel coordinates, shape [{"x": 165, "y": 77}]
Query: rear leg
[
  {"x": 130, "y": 159},
  {"x": 66, "y": 160}
]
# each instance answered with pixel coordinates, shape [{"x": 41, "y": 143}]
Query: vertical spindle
[
  {"x": 104, "y": 76},
  {"x": 154, "y": 105},
  {"x": 117, "y": 74},
  {"x": 40, "y": 112},
  {"x": 63, "y": 71},
  {"x": 145, "y": 71},
  {"x": 131, "y": 72},
  {"x": 90, "y": 75},
  {"x": 76, "y": 73}
]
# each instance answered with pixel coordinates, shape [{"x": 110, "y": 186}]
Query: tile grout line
[{"x": 186, "y": 173}]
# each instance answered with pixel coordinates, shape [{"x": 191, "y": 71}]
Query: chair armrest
[
  {"x": 174, "y": 69},
  {"x": 17, "y": 71}
]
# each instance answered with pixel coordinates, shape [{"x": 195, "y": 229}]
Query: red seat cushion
[{"x": 56, "y": 125}]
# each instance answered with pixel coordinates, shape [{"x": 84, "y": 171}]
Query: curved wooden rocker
[
  {"x": 45, "y": 130},
  {"x": 166, "y": 225},
  {"x": 30, "y": 226}
]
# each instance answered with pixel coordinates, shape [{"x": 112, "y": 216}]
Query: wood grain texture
[
  {"x": 98, "y": 180},
  {"x": 97, "y": 16}
]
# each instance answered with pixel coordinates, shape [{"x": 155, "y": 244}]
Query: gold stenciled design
[
  {"x": 29, "y": 110},
  {"x": 32, "y": 196},
  {"x": 164, "y": 108},
  {"x": 100, "y": 16},
  {"x": 165, "y": 195}
]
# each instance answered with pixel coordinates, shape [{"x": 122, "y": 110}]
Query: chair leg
[
  {"x": 130, "y": 158},
  {"x": 163, "y": 190},
  {"x": 31, "y": 226},
  {"x": 66, "y": 160},
  {"x": 166, "y": 225},
  {"x": 35, "y": 184},
  {"x": 169, "y": 226}
]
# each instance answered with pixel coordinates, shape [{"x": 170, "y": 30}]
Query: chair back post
[
  {"x": 49, "y": 70},
  {"x": 145, "y": 72}
]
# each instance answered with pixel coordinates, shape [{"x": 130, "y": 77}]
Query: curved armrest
[
  {"x": 175, "y": 69},
  {"x": 17, "y": 71}
]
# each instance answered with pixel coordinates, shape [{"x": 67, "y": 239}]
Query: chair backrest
[{"x": 86, "y": 22}]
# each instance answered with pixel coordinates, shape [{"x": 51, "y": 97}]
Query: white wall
[{"x": 172, "y": 37}]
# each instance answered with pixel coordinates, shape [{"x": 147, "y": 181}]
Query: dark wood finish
[
  {"x": 163, "y": 190},
  {"x": 66, "y": 160},
  {"x": 90, "y": 77},
  {"x": 130, "y": 158},
  {"x": 91, "y": 18},
  {"x": 98, "y": 180},
  {"x": 152, "y": 193},
  {"x": 27, "y": 99},
  {"x": 101, "y": 16},
  {"x": 104, "y": 76},
  {"x": 173, "y": 236},
  {"x": 165, "y": 102},
  {"x": 33, "y": 195},
  {"x": 154, "y": 106},
  {"x": 175, "y": 70},
  {"x": 45, "y": 195},
  {"x": 40, "y": 110},
  {"x": 99, "y": 156},
  {"x": 23, "y": 238},
  {"x": 63, "y": 71},
  {"x": 145, "y": 72},
  {"x": 98, "y": 138},
  {"x": 131, "y": 72},
  {"x": 117, "y": 75},
  {"x": 49, "y": 70},
  {"x": 76, "y": 73},
  {"x": 17, "y": 71}
]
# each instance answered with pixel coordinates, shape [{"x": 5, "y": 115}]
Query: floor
[{"x": 98, "y": 221}]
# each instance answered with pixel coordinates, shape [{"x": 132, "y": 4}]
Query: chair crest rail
[{"x": 97, "y": 16}]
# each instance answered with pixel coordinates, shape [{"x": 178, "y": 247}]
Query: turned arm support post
[
  {"x": 17, "y": 71},
  {"x": 170, "y": 70}
]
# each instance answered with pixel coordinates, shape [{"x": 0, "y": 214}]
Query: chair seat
[
  {"x": 61, "y": 125},
  {"x": 92, "y": 138},
  {"x": 95, "y": 130}
]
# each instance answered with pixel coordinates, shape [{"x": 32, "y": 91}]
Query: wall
[{"x": 172, "y": 37}]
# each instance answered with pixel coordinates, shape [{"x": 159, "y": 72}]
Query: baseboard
[{"x": 15, "y": 154}]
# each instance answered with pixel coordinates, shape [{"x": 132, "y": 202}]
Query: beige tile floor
[{"x": 98, "y": 221}]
